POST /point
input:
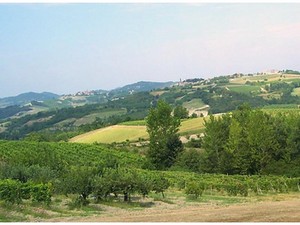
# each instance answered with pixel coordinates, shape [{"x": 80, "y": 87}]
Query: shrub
[
  {"x": 194, "y": 188},
  {"x": 10, "y": 191}
]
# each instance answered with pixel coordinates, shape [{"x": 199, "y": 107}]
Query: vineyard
[{"x": 39, "y": 172}]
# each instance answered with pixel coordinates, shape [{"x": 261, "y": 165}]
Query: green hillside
[{"x": 74, "y": 114}]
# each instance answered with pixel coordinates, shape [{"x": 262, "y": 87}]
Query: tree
[
  {"x": 214, "y": 141},
  {"x": 181, "y": 112},
  {"x": 165, "y": 144},
  {"x": 79, "y": 181}
]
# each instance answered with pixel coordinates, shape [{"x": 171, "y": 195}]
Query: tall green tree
[
  {"x": 181, "y": 112},
  {"x": 165, "y": 144},
  {"x": 214, "y": 141}
]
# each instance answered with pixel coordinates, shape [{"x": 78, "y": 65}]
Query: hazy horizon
[{"x": 65, "y": 48}]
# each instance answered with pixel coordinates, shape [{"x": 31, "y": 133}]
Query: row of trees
[{"x": 104, "y": 182}]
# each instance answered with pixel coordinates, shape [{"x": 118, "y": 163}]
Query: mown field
[{"x": 134, "y": 131}]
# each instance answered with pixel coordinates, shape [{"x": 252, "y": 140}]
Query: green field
[
  {"x": 134, "y": 123},
  {"x": 133, "y": 131},
  {"x": 244, "y": 89},
  {"x": 103, "y": 114},
  {"x": 193, "y": 104},
  {"x": 192, "y": 126},
  {"x": 284, "y": 108}
]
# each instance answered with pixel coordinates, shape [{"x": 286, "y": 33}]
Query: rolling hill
[
  {"x": 26, "y": 98},
  {"x": 88, "y": 111}
]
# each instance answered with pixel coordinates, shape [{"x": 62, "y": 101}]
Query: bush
[
  {"x": 190, "y": 160},
  {"x": 194, "y": 188},
  {"x": 41, "y": 193},
  {"x": 10, "y": 191}
]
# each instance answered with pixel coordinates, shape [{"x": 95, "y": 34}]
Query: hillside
[
  {"x": 142, "y": 86},
  {"x": 26, "y": 98},
  {"x": 88, "y": 111}
]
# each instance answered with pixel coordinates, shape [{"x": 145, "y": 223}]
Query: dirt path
[{"x": 266, "y": 211}]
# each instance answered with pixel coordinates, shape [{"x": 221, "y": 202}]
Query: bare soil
[{"x": 278, "y": 209}]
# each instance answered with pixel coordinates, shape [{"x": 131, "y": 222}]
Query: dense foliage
[
  {"x": 252, "y": 142},
  {"x": 162, "y": 128},
  {"x": 12, "y": 110}
]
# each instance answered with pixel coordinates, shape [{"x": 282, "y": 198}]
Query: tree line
[{"x": 249, "y": 141}]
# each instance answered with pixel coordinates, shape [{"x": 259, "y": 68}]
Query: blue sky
[{"x": 65, "y": 48}]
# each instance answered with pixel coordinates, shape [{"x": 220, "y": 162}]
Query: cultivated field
[
  {"x": 134, "y": 131},
  {"x": 116, "y": 133}
]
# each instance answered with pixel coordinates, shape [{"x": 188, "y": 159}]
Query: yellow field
[
  {"x": 192, "y": 126},
  {"x": 116, "y": 133},
  {"x": 296, "y": 92},
  {"x": 121, "y": 133}
]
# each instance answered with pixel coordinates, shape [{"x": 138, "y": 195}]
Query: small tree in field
[{"x": 165, "y": 144}]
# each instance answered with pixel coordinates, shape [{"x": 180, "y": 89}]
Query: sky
[{"x": 65, "y": 48}]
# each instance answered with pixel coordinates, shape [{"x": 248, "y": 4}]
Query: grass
[
  {"x": 193, "y": 104},
  {"x": 112, "y": 134},
  {"x": 284, "y": 108},
  {"x": 244, "y": 89},
  {"x": 192, "y": 126},
  {"x": 133, "y": 131},
  {"x": 134, "y": 123},
  {"x": 125, "y": 205},
  {"x": 103, "y": 114},
  {"x": 296, "y": 92},
  {"x": 60, "y": 211}
]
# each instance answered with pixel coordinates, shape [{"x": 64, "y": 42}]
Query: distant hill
[
  {"x": 68, "y": 115},
  {"x": 142, "y": 86},
  {"x": 26, "y": 98}
]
